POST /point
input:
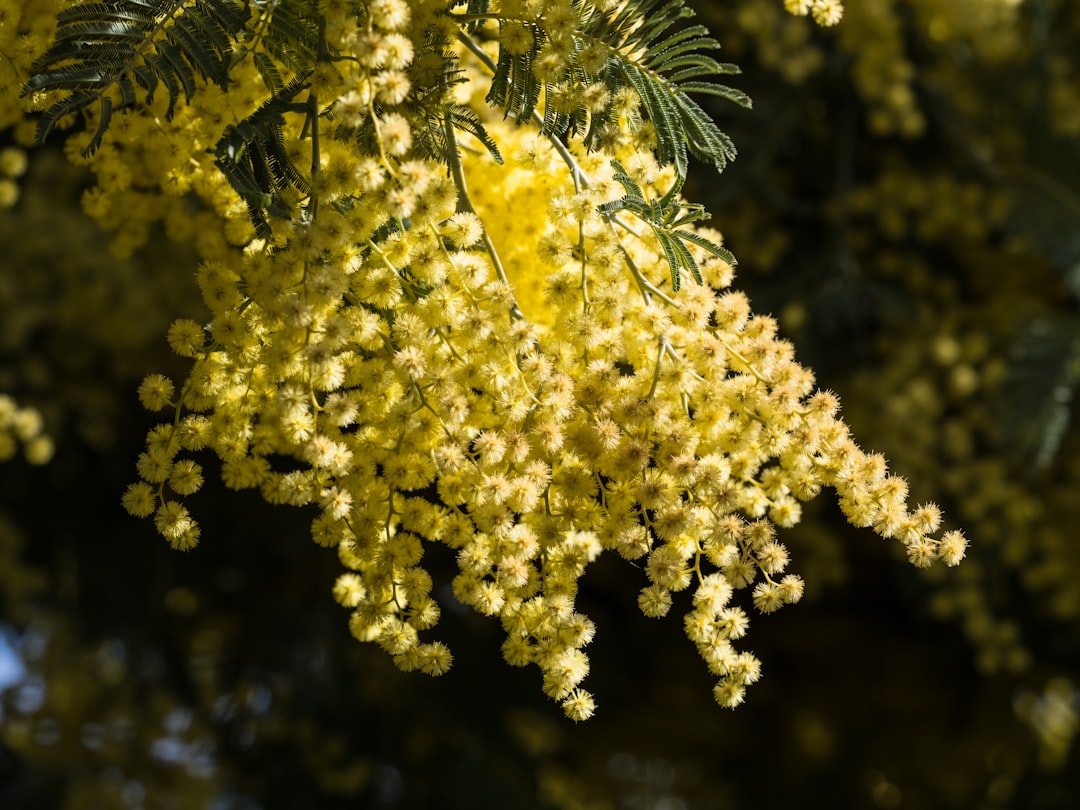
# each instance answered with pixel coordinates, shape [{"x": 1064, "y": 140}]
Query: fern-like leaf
[
  {"x": 269, "y": 72},
  {"x": 514, "y": 87},
  {"x": 432, "y": 138},
  {"x": 434, "y": 109},
  {"x": 666, "y": 217},
  {"x": 102, "y": 51},
  {"x": 253, "y": 158},
  {"x": 287, "y": 30},
  {"x": 1043, "y": 376},
  {"x": 661, "y": 66},
  {"x": 661, "y": 63}
]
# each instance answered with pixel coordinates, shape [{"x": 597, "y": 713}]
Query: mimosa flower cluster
[
  {"x": 406, "y": 360},
  {"x": 23, "y": 426},
  {"x": 824, "y": 12},
  {"x": 12, "y": 166}
]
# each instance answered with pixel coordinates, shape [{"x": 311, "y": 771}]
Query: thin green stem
[
  {"x": 457, "y": 171},
  {"x": 661, "y": 351}
]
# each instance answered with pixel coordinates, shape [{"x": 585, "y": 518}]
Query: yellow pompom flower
[
  {"x": 156, "y": 392},
  {"x": 39, "y": 450},
  {"x": 140, "y": 499}
]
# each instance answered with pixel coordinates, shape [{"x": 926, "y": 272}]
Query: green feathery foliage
[
  {"x": 253, "y": 158},
  {"x": 107, "y": 49},
  {"x": 435, "y": 108},
  {"x": 285, "y": 33},
  {"x": 1043, "y": 376},
  {"x": 1044, "y": 371},
  {"x": 641, "y": 52},
  {"x": 432, "y": 137},
  {"x": 666, "y": 217}
]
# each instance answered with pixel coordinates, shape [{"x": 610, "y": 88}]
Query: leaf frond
[
  {"x": 287, "y": 30},
  {"x": 99, "y": 47},
  {"x": 1043, "y": 375},
  {"x": 648, "y": 49},
  {"x": 665, "y": 217},
  {"x": 253, "y": 158}
]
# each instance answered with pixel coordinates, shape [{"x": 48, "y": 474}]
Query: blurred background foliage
[{"x": 907, "y": 201}]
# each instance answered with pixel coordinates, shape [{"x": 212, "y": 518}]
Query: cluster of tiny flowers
[
  {"x": 12, "y": 166},
  {"x": 23, "y": 426},
  {"x": 824, "y": 12},
  {"x": 380, "y": 346},
  {"x": 698, "y": 433}
]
